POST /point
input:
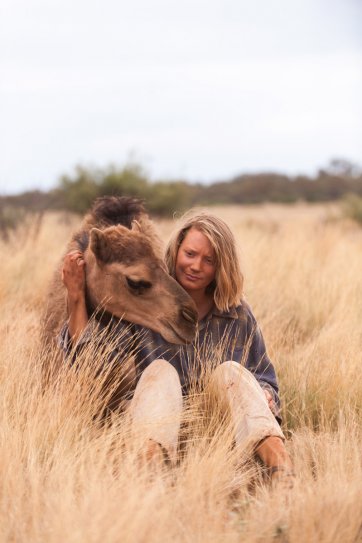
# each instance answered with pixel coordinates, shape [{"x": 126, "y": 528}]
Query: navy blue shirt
[{"x": 221, "y": 336}]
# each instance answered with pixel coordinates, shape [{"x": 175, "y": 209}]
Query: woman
[{"x": 202, "y": 257}]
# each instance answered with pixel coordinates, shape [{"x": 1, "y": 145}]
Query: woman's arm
[
  {"x": 259, "y": 363},
  {"x": 73, "y": 277}
]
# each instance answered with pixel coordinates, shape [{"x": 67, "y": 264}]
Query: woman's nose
[{"x": 196, "y": 264}]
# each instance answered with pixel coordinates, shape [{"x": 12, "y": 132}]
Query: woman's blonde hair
[{"x": 227, "y": 288}]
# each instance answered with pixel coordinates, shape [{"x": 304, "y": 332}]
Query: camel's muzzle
[{"x": 189, "y": 314}]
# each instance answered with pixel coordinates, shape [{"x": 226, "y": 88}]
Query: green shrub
[
  {"x": 352, "y": 207},
  {"x": 10, "y": 218},
  {"x": 129, "y": 181},
  {"x": 165, "y": 197},
  {"x": 78, "y": 194}
]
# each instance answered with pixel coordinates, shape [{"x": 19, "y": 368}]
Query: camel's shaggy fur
[{"x": 125, "y": 274}]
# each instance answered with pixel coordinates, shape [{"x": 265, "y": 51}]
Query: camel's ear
[
  {"x": 99, "y": 245},
  {"x": 147, "y": 228},
  {"x": 136, "y": 226}
]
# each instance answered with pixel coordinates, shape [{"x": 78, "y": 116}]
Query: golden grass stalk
[{"x": 69, "y": 475}]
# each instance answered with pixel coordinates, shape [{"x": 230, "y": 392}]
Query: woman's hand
[
  {"x": 73, "y": 275},
  {"x": 270, "y": 400}
]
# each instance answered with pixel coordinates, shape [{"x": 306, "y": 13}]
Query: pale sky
[{"x": 201, "y": 90}]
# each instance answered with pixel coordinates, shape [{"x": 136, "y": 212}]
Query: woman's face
[{"x": 195, "y": 262}]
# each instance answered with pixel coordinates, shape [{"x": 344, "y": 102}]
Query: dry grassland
[{"x": 65, "y": 478}]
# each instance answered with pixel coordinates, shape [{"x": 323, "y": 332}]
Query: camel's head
[{"x": 127, "y": 278}]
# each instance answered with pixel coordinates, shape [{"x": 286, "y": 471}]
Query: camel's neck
[{"x": 101, "y": 315}]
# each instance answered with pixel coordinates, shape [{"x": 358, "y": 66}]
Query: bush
[
  {"x": 78, "y": 194},
  {"x": 165, "y": 198},
  {"x": 10, "y": 218},
  {"x": 129, "y": 181},
  {"x": 352, "y": 207}
]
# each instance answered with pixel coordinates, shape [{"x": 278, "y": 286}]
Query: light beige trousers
[{"x": 156, "y": 407}]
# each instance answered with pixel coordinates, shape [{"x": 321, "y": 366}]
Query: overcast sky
[{"x": 195, "y": 89}]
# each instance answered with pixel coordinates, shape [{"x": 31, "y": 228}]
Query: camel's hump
[{"x": 112, "y": 210}]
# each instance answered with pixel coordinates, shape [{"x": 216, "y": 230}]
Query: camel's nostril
[{"x": 189, "y": 315}]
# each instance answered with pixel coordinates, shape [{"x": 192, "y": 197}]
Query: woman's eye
[{"x": 138, "y": 287}]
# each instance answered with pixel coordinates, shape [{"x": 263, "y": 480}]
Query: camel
[{"x": 126, "y": 277}]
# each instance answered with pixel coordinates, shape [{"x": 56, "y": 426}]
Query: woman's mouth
[{"x": 191, "y": 277}]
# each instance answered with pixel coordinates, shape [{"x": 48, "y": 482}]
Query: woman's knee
[
  {"x": 158, "y": 392},
  {"x": 160, "y": 370},
  {"x": 230, "y": 373},
  {"x": 227, "y": 371}
]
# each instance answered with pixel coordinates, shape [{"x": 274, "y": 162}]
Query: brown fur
[{"x": 121, "y": 247}]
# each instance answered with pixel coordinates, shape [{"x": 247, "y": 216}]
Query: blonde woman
[{"x": 202, "y": 257}]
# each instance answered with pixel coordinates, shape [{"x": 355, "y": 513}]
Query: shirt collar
[{"x": 231, "y": 314}]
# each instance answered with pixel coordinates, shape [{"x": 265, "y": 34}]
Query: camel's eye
[{"x": 138, "y": 287}]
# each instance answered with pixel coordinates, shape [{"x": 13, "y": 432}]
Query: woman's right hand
[{"x": 73, "y": 275}]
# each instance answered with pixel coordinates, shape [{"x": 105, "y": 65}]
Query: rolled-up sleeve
[
  {"x": 65, "y": 341},
  {"x": 116, "y": 340}
]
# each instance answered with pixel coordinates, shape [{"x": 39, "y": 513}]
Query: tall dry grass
[{"x": 65, "y": 477}]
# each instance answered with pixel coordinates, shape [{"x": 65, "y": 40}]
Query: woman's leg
[
  {"x": 238, "y": 392},
  {"x": 272, "y": 453},
  {"x": 156, "y": 409},
  {"x": 256, "y": 429}
]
